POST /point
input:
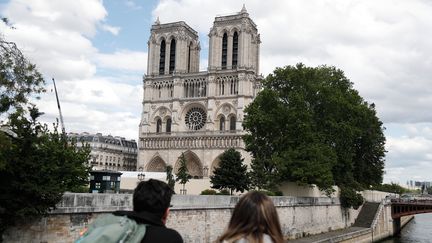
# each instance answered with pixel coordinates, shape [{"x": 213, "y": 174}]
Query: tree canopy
[
  {"x": 36, "y": 165},
  {"x": 19, "y": 79},
  {"x": 309, "y": 125},
  {"x": 39, "y": 166},
  {"x": 232, "y": 173}
]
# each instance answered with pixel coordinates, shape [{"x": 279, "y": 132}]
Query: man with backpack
[{"x": 146, "y": 223}]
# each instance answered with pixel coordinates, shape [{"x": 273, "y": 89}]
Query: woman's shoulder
[{"x": 266, "y": 239}]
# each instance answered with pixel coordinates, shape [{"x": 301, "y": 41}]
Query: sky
[{"x": 97, "y": 52}]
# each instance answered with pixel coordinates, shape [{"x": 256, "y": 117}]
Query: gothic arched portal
[
  {"x": 156, "y": 165},
  {"x": 214, "y": 165},
  {"x": 193, "y": 164}
]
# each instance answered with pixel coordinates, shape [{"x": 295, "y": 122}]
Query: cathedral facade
[{"x": 197, "y": 113}]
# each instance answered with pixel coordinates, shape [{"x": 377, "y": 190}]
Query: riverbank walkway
[
  {"x": 332, "y": 236},
  {"x": 361, "y": 226}
]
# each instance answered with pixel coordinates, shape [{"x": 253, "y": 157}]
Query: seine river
[{"x": 419, "y": 230}]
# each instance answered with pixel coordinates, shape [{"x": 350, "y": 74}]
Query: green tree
[
  {"x": 183, "y": 175},
  {"x": 170, "y": 177},
  {"x": 39, "y": 167},
  {"x": 232, "y": 173},
  {"x": 19, "y": 79},
  {"x": 309, "y": 125},
  {"x": 36, "y": 165}
]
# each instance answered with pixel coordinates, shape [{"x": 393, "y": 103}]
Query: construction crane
[{"x": 58, "y": 105}]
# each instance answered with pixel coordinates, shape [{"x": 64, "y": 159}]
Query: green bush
[
  {"x": 209, "y": 192},
  {"x": 224, "y": 192},
  {"x": 271, "y": 193},
  {"x": 350, "y": 198}
]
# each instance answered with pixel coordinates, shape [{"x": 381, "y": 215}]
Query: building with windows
[
  {"x": 108, "y": 152},
  {"x": 197, "y": 113}
]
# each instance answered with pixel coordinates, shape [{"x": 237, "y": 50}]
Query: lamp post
[{"x": 141, "y": 175}]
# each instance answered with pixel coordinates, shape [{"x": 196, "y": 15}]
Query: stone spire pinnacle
[
  {"x": 157, "y": 22},
  {"x": 243, "y": 10}
]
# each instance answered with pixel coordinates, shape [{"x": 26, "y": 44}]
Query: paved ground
[{"x": 328, "y": 235}]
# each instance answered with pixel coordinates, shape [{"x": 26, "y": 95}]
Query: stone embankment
[
  {"x": 197, "y": 218},
  {"x": 373, "y": 224}
]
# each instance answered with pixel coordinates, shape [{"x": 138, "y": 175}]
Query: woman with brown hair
[{"x": 254, "y": 220}]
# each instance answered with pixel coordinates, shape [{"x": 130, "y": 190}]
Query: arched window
[
  {"x": 172, "y": 56},
  {"x": 162, "y": 58},
  {"x": 158, "y": 125},
  {"x": 224, "y": 50},
  {"x": 222, "y": 123},
  {"x": 235, "y": 50},
  {"x": 232, "y": 123},
  {"x": 189, "y": 57},
  {"x": 168, "y": 125}
]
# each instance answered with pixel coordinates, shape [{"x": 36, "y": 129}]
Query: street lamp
[{"x": 141, "y": 175}]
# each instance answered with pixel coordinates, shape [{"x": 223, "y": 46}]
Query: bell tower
[
  {"x": 173, "y": 48},
  {"x": 234, "y": 43}
]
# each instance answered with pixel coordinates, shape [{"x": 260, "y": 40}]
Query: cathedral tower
[
  {"x": 197, "y": 113},
  {"x": 234, "y": 43}
]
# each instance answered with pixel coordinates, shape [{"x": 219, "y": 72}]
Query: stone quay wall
[{"x": 196, "y": 218}]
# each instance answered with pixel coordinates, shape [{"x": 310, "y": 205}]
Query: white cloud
[
  {"x": 131, "y": 4},
  {"x": 113, "y": 30},
  {"x": 56, "y": 36},
  {"x": 124, "y": 59}
]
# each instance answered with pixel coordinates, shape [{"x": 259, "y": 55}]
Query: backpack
[{"x": 116, "y": 229}]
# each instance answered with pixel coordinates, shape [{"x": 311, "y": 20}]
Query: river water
[{"x": 419, "y": 230}]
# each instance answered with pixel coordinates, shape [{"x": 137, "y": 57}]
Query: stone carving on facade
[
  {"x": 162, "y": 111},
  {"x": 213, "y": 32},
  {"x": 226, "y": 109},
  {"x": 234, "y": 102},
  {"x": 156, "y": 165},
  {"x": 182, "y": 35},
  {"x": 153, "y": 107},
  {"x": 239, "y": 117}
]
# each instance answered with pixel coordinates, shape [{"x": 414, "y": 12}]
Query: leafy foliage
[
  {"x": 350, "y": 198},
  {"x": 39, "y": 166},
  {"x": 170, "y": 177},
  {"x": 208, "y": 192},
  {"x": 392, "y": 187},
  {"x": 18, "y": 78},
  {"x": 271, "y": 193},
  {"x": 309, "y": 125},
  {"x": 231, "y": 173},
  {"x": 183, "y": 175}
]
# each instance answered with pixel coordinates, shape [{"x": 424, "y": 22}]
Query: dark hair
[
  {"x": 253, "y": 216},
  {"x": 152, "y": 196}
]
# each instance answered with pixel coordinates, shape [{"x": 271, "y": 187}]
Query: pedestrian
[
  {"x": 145, "y": 224},
  {"x": 254, "y": 220}
]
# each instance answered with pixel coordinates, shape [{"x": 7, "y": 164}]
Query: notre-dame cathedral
[{"x": 197, "y": 113}]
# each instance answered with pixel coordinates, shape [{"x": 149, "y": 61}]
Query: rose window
[{"x": 195, "y": 118}]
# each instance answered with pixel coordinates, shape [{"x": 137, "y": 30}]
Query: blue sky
[{"x": 97, "y": 51}]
